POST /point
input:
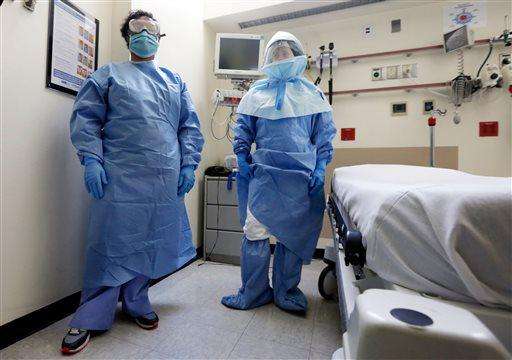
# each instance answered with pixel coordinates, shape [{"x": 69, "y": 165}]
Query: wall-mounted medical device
[
  {"x": 238, "y": 56},
  {"x": 506, "y": 70},
  {"x": 488, "y": 76},
  {"x": 458, "y": 39}
]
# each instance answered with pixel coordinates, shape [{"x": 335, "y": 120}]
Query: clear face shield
[{"x": 282, "y": 50}]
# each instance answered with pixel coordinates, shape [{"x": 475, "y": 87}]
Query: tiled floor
[{"x": 194, "y": 325}]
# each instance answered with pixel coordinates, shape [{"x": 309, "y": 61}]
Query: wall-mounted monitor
[
  {"x": 458, "y": 39},
  {"x": 238, "y": 55}
]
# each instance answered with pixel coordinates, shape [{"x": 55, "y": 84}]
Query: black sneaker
[
  {"x": 148, "y": 321},
  {"x": 75, "y": 340}
]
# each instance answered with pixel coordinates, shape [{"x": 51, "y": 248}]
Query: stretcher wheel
[{"x": 327, "y": 285}]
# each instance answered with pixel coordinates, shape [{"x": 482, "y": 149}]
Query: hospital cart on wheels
[{"x": 383, "y": 320}]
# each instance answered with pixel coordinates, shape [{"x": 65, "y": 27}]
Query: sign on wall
[
  {"x": 72, "y": 46},
  {"x": 472, "y": 14}
]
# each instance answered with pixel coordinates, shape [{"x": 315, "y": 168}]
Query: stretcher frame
[{"x": 347, "y": 259}]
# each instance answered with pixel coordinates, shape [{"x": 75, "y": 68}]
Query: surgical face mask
[
  {"x": 286, "y": 69},
  {"x": 143, "y": 44}
]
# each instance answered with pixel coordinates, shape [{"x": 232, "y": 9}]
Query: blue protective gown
[
  {"x": 277, "y": 195},
  {"x": 287, "y": 151},
  {"x": 138, "y": 120}
]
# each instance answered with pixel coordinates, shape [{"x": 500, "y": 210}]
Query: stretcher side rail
[{"x": 350, "y": 238}]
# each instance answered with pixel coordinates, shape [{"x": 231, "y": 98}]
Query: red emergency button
[{"x": 432, "y": 121}]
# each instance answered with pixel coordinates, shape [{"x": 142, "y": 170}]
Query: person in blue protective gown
[
  {"x": 138, "y": 136},
  {"x": 280, "y": 185}
]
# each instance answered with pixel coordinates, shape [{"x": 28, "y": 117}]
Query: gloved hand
[
  {"x": 316, "y": 183},
  {"x": 244, "y": 168},
  {"x": 94, "y": 177},
  {"x": 186, "y": 180}
]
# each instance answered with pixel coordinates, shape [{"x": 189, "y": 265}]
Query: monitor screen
[
  {"x": 239, "y": 54},
  {"x": 456, "y": 39}
]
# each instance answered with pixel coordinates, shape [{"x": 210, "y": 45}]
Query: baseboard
[{"x": 29, "y": 324}]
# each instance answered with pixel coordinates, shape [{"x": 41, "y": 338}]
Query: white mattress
[{"x": 437, "y": 231}]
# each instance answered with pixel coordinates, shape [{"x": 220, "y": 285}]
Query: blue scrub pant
[
  {"x": 98, "y": 305},
  {"x": 256, "y": 290}
]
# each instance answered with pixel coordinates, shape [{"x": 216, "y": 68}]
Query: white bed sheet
[{"x": 438, "y": 231}]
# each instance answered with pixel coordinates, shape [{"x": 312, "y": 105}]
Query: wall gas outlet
[
  {"x": 409, "y": 71},
  {"x": 377, "y": 74}
]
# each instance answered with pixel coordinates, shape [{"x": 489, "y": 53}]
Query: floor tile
[
  {"x": 108, "y": 347},
  {"x": 33, "y": 347},
  {"x": 197, "y": 341},
  {"x": 193, "y": 324},
  {"x": 126, "y": 330},
  {"x": 326, "y": 339},
  {"x": 317, "y": 355},
  {"x": 273, "y": 324},
  {"x": 254, "y": 348},
  {"x": 327, "y": 312}
]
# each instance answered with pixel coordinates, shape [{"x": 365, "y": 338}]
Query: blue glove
[
  {"x": 316, "y": 183},
  {"x": 244, "y": 168},
  {"x": 94, "y": 177},
  {"x": 186, "y": 180}
]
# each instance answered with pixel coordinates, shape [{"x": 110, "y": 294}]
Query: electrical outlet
[
  {"x": 368, "y": 31},
  {"x": 392, "y": 72},
  {"x": 409, "y": 71},
  {"x": 377, "y": 74},
  {"x": 428, "y": 106}
]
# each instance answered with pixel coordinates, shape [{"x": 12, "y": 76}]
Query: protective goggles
[
  {"x": 281, "y": 50},
  {"x": 136, "y": 26}
]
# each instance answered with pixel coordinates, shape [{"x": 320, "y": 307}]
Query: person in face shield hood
[
  {"x": 280, "y": 185},
  {"x": 137, "y": 134}
]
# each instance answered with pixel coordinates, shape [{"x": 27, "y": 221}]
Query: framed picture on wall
[{"x": 72, "y": 46}]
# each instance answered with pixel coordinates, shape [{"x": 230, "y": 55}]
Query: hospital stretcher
[{"x": 382, "y": 319}]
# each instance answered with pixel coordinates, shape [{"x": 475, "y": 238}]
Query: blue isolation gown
[
  {"x": 138, "y": 120},
  {"x": 277, "y": 194}
]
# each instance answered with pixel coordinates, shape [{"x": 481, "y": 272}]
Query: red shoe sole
[{"x": 66, "y": 351}]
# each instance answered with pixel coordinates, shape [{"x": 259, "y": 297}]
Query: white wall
[
  {"x": 43, "y": 201},
  {"x": 119, "y": 51},
  {"x": 370, "y": 114}
]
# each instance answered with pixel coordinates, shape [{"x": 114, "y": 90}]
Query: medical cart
[{"x": 222, "y": 229}]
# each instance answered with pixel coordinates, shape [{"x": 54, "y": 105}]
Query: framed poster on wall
[{"x": 72, "y": 46}]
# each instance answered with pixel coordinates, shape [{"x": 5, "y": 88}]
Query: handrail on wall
[
  {"x": 392, "y": 88},
  {"x": 403, "y": 51},
  {"x": 354, "y": 58}
]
